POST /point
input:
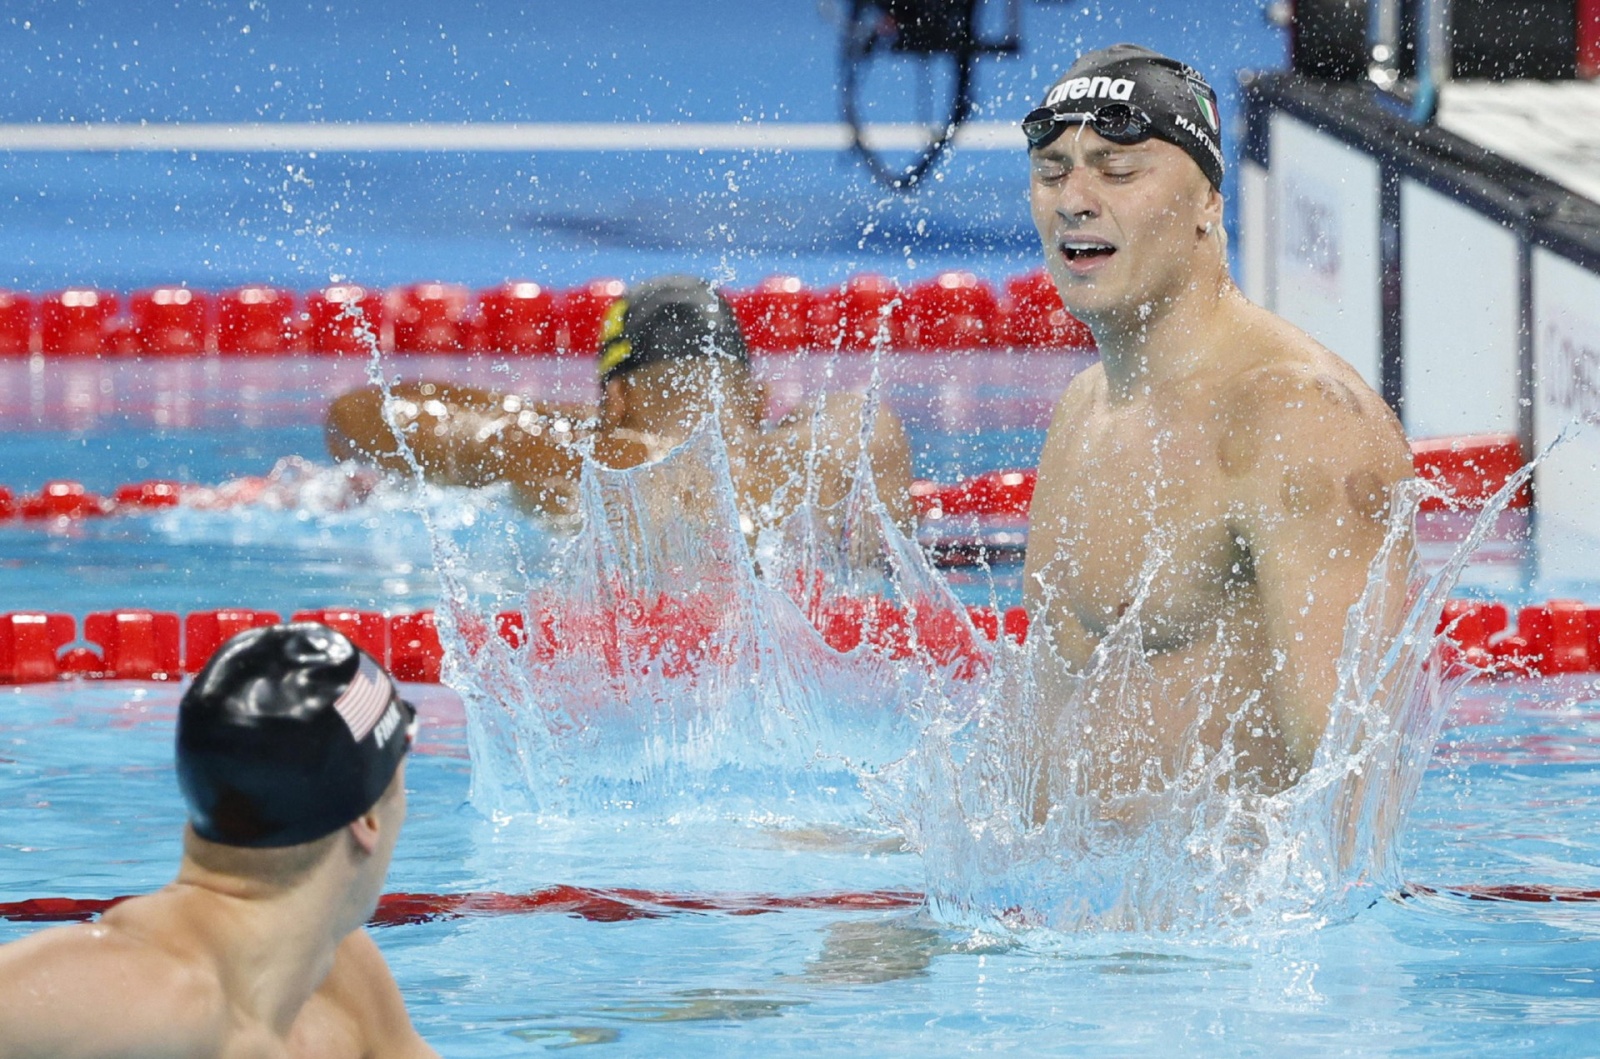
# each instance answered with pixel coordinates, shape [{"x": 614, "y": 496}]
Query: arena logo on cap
[
  {"x": 1120, "y": 88},
  {"x": 363, "y": 702}
]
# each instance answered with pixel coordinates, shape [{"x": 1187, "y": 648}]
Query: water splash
[
  {"x": 1009, "y": 844},
  {"x": 660, "y": 671}
]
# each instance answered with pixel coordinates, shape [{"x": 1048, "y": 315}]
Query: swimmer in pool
[
  {"x": 290, "y": 756},
  {"x": 1214, "y": 444},
  {"x": 671, "y": 349}
]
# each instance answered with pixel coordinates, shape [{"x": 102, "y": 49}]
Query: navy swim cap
[
  {"x": 1138, "y": 88},
  {"x": 288, "y": 733},
  {"x": 669, "y": 318}
]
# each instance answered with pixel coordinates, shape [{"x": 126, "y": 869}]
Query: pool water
[
  {"x": 1511, "y": 798},
  {"x": 89, "y": 807}
]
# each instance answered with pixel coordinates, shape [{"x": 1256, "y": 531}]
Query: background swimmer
[
  {"x": 290, "y": 755},
  {"x": 1245, "y": 467},
  {"x": 671, "y": 353}
]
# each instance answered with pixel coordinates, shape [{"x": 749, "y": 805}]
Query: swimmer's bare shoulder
[
  {"x": 94, "y": 990},
  {"x": 358, "y": 1010},
  {"x": 1293, "y": 404},
  {"x": 1310, "y": 457}
]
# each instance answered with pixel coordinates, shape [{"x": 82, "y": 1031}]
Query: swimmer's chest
[{"x": 1134, "y": 491}]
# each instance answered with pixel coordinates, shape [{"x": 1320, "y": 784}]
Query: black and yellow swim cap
[
  {"x": 669, "y": 318},
  {"x": 288, "y": 733}
]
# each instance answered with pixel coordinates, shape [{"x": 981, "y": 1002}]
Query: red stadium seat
[
  {"x": 583, "y": 313},
  {"x": 776, "y": 316},
  {"x": 333, "y": 330},
  {"x": 428, "y": 317},
  {"x": 953, "y": 310},
  {"x": 852, "y": 317},
  {"x": 1032, "y": 316},
  {"x": 519, "y": 317},
  {"x": 16, "y": 324},
  {"x": 74, "y": 322},
  {"x": 256, "y": 321},
  {"x": 172, "y": 321}
]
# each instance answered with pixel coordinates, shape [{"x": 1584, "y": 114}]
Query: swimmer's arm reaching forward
[
  {"x": 464, "y": 435},
  {"x": 1311, "y": 514}
]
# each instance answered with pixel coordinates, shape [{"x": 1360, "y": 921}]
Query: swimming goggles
[{"x": 1117, "y": 122}]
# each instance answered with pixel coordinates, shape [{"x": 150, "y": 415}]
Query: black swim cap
[
  {"x": 669, "y": 318},
  {"x": 1171, "y": 100},
  {"x": 288, "y": 733}
]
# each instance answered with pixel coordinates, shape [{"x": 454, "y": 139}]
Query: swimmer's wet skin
[
  {"x": 291, "y": 746},
  {"x": 670, "y": 353},
  {"x": 1249, "y": 468}
]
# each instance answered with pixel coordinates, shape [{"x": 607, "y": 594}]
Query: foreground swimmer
[
  {"x": 290, "y": 747},
  {"x": 1214, "y": 444},
  {"x": 671, "y": 352}
]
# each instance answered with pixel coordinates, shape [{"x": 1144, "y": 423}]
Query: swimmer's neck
[
  {"x": 1167, "y": 341},
  {"x": 273, "y": 944}
]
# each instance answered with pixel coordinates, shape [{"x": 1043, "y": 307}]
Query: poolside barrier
[{"x": 953, "y": 310}]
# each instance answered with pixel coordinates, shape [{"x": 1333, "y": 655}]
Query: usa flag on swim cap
[{"x": 363, "y": 702}]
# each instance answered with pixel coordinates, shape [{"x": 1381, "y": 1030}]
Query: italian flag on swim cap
[{"x": 1208, "y": 108}]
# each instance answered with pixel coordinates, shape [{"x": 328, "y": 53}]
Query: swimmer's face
[{"x": 1120, "y": 224}]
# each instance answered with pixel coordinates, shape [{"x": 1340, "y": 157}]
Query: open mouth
[{"x": 1086, "y": 250}]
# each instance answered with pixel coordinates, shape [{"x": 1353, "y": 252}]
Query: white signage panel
[
  {"x": 1255, "y": 226},
  {"x": 1324, "y": 253},
  {"x": 1566, "y": 348},
  {"x": 1458, "y": 318}
]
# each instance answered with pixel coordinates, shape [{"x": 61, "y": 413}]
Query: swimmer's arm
[
  {"x": 461, "y": 435},
  {"x": 83, "y": 991},
  {"x": 889, "y": 453},
  {"x": 838, "y": 420},
  {"x": 362, "y": 986},
  {"x": 1315, "y": 514}
]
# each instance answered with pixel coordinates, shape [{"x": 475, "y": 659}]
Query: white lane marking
[{"x": 490, "y": 136}]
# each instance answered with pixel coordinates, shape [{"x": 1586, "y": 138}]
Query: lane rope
[{"x": 622, "y": 904}]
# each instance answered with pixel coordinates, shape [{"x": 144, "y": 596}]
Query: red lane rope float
[
  {"x": 678, "y": 635},
  {"x": 1524, "y": 893},
  {"x": 951, "y": 311},
  {"x": 1470, "y": 469},
  {"x": 596, "y": 904},
  {"x": 617, "y": 905},
  {"x": 673, "y": 634}
]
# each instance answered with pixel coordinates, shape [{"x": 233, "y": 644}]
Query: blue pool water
[{"x": 1510, "y": 798}]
